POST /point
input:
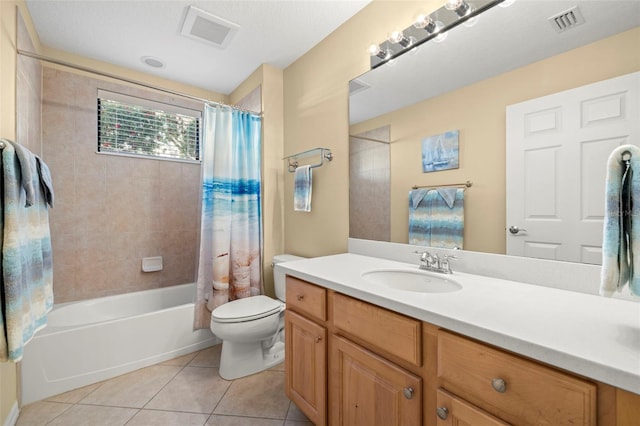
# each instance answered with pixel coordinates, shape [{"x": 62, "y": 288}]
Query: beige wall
[
  {"x": 480, "y": 117},
  {"x": 316, "y": 111}
]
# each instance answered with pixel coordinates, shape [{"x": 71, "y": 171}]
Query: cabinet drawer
[
  {"x": 518, "y": 391},
  {"x": 394, "y": 333},
  {"x": 306, "y": 298}
]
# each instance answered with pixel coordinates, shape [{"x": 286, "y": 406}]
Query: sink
[{"x": 412, "y": 280}]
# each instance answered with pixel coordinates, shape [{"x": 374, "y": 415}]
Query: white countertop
[{"x": 592, "y": 336}]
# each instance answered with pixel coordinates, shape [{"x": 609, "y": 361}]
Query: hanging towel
[
  {"x": 302, "y": 189},
  {"x": 437, "y": 220},
  {"x": 621, "y": 230},
  {"x": 27, "y": 273}
]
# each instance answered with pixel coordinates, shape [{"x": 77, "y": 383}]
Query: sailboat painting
[{"x": 440, "y": 152}]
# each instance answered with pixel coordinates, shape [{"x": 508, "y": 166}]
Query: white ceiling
[{"x": 275, "y": 32}]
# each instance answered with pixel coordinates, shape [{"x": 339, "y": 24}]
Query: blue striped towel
[
  {"x": 436, "y": 217},
  {"x": 621, "y": 230},
  {"x": 302, "y": 189},
  {"x": 27, "y": 271}
]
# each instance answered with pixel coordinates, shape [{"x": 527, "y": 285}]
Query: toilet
[{"x": 252, "y": 330}]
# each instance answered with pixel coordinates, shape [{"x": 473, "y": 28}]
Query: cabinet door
[
  {"x": 367, "y": 390},
  {"x": 306, "y": 366},
  {"x": 453, "y": 411}
]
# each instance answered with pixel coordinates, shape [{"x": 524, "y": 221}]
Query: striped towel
[
  {"x": 27, "y": 273},
  {"x": 621, "y": 230},
  {"x": 302, "y": 189},
  {"x": 436, "y": 217}
]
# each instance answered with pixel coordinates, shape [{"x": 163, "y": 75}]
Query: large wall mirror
[{"x": 465, "y": 83}]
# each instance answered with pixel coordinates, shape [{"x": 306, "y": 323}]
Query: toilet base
[{"x": 240, "y": 359}]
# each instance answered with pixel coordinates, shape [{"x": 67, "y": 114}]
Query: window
[{"x": 140, "y": 127}]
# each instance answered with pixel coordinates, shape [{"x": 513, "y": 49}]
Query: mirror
[{"x": 465, "y": 83}]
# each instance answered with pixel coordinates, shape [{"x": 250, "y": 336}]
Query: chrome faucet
[{"x": 433, "y": 263}]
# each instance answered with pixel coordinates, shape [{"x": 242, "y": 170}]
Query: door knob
[{"x": 515, "y": 230}]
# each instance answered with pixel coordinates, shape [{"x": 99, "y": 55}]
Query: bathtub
[{"x": 92, "y": 340}]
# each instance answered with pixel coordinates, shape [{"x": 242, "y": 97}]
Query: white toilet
[{"x": 252, "y": 330}]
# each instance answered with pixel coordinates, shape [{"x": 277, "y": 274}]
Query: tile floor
[{"x": 182, "y": 391}]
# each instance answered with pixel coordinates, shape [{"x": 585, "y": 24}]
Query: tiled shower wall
[
  {"x": 111, "y": 211},
  {"x": 369, "y": 186}
]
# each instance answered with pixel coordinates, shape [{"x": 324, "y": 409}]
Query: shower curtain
[{"x": 230, "y": 265}]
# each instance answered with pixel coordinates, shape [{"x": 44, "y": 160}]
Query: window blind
[{"x": 136, "y": 126}]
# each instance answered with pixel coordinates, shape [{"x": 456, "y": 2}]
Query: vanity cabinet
[
  {"x": 349, "y": 362},
  {"x": 366, "y": 389},
  {"x": 306, "y": 349},
  {"x": 513, "y": 389}
]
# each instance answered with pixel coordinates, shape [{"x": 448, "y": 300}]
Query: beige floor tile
[
  {"x": 167, "y": 418},
  {"x": 181, "y": 361},
  {"x": 259, "y": 395},
  {"x": 295, "y": 414},
  {"x": 75, "y": 395},
  {"x": 194, "y": 389},
  {"x": 39, "y": 413},
  {"x": 209, "y": 357},
  {"x": 133, "y": 389},
  {"x": 216, "y": 420},
  {"x": 94, "y": 415}
]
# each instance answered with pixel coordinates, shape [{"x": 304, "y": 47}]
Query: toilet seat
[{"x": 247, "y": 309}]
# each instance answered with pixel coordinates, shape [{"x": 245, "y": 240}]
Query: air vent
[
  {"x": 203, "y": 26},
  {"x": 567, "y": 20},
  {"x": 356, "y": 86}
]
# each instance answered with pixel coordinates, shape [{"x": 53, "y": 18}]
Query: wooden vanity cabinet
[
  {"x": 349, "y": 362},
  {"x": 306, "y": 349},
  {"x": 512, "y": 388}
]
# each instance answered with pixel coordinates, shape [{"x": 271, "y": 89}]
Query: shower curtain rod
[{"x": 127, "y": 80}]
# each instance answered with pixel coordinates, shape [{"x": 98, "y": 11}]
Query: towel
[
  {"x": 302, "y": 189},
  {"x": 437, "y": 220},
  {"x": 27, "y": 273},
  {"x": 621, "y": 230}
]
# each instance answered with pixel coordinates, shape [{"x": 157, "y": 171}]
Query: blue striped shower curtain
[{"x": 230, "y": 260}]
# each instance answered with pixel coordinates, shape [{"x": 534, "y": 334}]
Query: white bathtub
[{"x": 92, "y": 340}]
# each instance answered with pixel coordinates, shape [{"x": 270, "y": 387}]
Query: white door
[{"x": 557, "y": 151}]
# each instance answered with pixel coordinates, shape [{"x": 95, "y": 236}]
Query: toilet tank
[{"x": 279, "y": 278}]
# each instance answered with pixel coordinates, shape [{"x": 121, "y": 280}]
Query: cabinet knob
[
  {"x": 408, "y": 392},
  {"x": 442, "y": 413},
  {"x": 318, "y": 339},
  {"x": 499, "y": 385},
  {"x": 300, "y": 296}
]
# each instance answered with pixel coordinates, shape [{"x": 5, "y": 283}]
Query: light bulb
[{"x": 458, "y": 6}]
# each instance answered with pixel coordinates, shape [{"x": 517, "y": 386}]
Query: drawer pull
[
  {"x": 499, "y": 385},
  {"x": 408, "y": 392},
  {"x": 442, "y": 413},
  {"x": 300, "y": 296},
  {"x": 318, "y": 339}
]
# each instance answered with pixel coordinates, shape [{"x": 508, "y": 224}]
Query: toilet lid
[{"x": 247, "y": 309}]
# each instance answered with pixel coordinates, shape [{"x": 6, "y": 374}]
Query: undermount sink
[{"x": 412, "y": 280}]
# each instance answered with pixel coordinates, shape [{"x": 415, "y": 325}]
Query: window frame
[{"x": 151, "y": 104}]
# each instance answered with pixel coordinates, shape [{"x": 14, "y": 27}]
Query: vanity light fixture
[
  {"x": 427, "y": 23},
  {"x": 398, "y": 37},
  {"x": 460, "y": 7},
  {"x": 427, "y": 27}
]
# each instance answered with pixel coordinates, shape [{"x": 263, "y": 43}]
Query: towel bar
[
  {"x": 292, "y": 160},
  {"x": 467, "y": 184}
]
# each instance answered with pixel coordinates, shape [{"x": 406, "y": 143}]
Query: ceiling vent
[
  {"x": 566, "y": 20},
  {"x": 203, "y": 26}
]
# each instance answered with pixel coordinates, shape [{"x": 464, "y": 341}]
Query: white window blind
[{"x": 135, "y": 126}]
